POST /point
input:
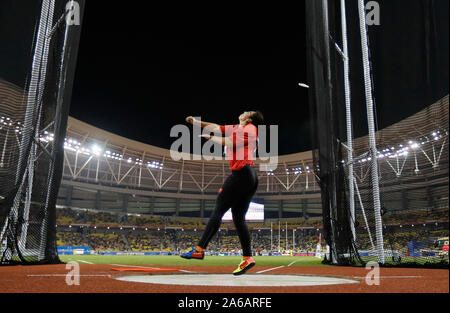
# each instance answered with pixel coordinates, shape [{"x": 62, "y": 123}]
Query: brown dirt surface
[{"x": 100, "y": 279}]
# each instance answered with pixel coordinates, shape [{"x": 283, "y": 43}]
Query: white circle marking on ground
[{"x": 253, "y": 280}]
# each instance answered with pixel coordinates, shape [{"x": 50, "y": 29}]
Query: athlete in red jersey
[
  {"x": 239, "y": 188},
  {"x": 241, "y": 144}
]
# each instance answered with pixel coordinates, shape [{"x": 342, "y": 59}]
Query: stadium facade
[{"x": 106, "y": 172}]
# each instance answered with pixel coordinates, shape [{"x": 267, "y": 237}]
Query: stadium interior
[{"x": 121, "y": 195}]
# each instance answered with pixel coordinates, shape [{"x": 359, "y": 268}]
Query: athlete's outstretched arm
[
  {"x": 224, "y": 141},
  {"x": 211, "y": 127}
]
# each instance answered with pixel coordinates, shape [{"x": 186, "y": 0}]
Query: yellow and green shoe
[{"x": 244, "y": 266}]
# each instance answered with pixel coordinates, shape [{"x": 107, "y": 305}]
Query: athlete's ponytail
[{"x": 257, "y": 118}]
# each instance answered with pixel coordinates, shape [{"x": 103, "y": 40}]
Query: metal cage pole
[
  {"x": 279, "y": 236},
  {"x": 348, "y": 117},
  {"x": 293, "y": 239},
  {"x": 271, "y": 238},
  {"x": 333, "y": 196},
  {"x": 286, "y": 237},
  {"x": 371, "y": 125},
  {"x": 35, "y": 92},
  {"x": 66, "y": 75}
]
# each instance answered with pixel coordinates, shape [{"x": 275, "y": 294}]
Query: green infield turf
[{"x": 177, "y": 260}]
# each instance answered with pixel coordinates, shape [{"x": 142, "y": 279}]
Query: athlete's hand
[
  {"x": 190, "y": 119},
  {"x": 207, "y": 137}
]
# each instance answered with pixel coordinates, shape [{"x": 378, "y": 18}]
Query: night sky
[{"x": 142, "y": 70}]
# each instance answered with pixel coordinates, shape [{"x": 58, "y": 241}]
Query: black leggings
[{"x": 237, "y": 192}]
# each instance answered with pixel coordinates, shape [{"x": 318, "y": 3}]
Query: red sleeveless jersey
[{"x": 244, "y": 139}]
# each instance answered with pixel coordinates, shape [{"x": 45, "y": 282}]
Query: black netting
[
  {"x": 38, "y": 48},
  {"x": 413, "y": 178},
  {"x": 326, "y": 117},
  {"x": 411, "y": 154}
]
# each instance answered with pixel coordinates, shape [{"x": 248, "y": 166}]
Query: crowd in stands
[
  {"x": 416, "y": 217},
  {"x": 401, "y": 217},
  {"x": 397, "y": 238},
  {"x": 96, "y": 241},
  {"x": 185, "y": 223},
  {"x": 101, "y": 219},
  {"x": 67, "y": 216},
  {"x": 172, "y": 240},
  {"x": 142, "y": 221},
  {"x": 176, "y": 234}
]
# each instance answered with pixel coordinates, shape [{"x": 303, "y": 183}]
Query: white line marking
[
  {"x": 391, "y": 277},
  {"x": 186, "y": 271},
  {"x": 155, "y": 268},
  {"x": 294, "y": 262},
  {"x": 275, "y": 268},
  {"x": 270, "y": 269},
  {"x": 84, "y": 262}
]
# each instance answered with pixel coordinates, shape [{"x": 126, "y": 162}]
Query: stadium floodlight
[
  {"x": 96, "y": 150},
  {"x": 303, "y": 85},
  {"x": 414, "y": 145}
]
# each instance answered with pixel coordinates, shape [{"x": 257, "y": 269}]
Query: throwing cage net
[
  {"x": 385, "y": 194},
  {"x": 38, "y": 49}
]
